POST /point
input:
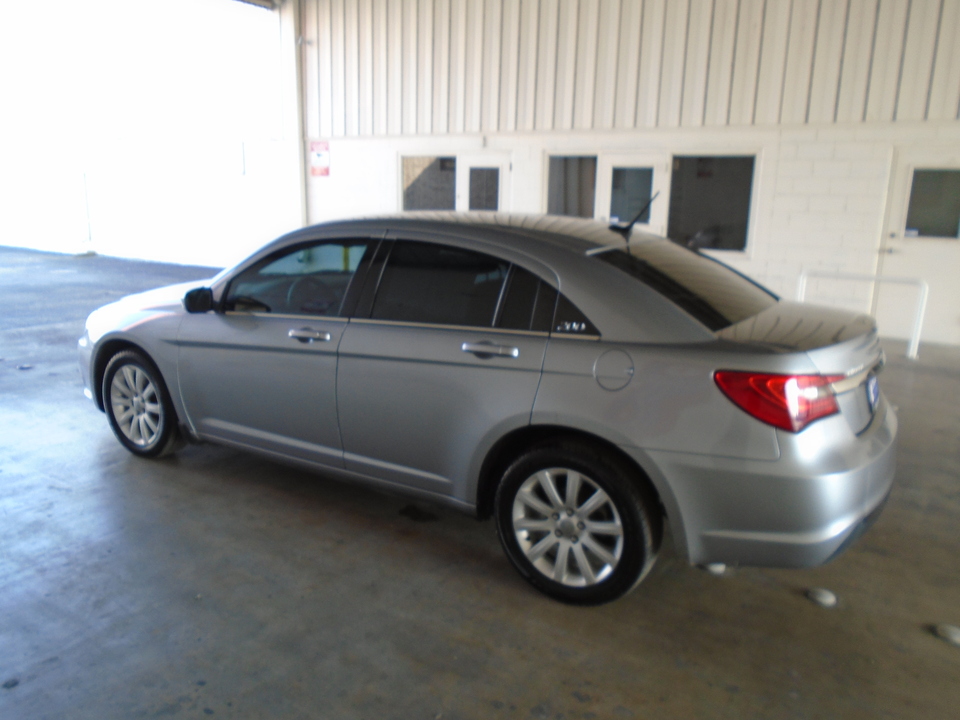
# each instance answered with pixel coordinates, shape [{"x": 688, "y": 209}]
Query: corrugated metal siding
[{"x": 386, "y": 67}]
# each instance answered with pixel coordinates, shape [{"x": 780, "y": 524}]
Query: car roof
[
  {"x": 607, "y": 296},
  {"x": 576, "y": 235}
]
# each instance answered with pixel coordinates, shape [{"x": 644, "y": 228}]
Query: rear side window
[
  {"x": 708, "y": 290},
  {"x": 528, "y": 302},
  {"x": 531, "y": 304},
  {"x": 428, "y": 283}
]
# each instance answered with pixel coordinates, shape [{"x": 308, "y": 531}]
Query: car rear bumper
[{"x": 799, "y": 511}]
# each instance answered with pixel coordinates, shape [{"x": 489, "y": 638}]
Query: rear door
[{"x": 443, "y": 356}]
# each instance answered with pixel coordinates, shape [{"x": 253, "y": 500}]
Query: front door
[
  {"x": 627, "y": 182},
  {"x": 921, "y": 241},
  {"x": 446, "y": 357},
  {"x": 262, "y": 373}
]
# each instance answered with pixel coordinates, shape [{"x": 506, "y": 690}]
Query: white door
[
  {"x": 483, "y": 182},
  {"x": 626, "y": 182},
  {"x": 929, "y": 251}
]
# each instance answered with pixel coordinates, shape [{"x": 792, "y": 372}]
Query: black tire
[
  {"x": 138, "y": 405},
  {"x": 586, "y": 550}
]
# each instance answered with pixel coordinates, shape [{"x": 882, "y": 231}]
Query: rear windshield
[{"x": 711, "y": 292}]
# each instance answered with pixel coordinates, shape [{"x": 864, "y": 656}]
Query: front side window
[
  {"x": 309, "y": 280},
  {"x": 429, "y": 283}
]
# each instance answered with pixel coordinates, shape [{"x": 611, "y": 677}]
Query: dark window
[
  {"x": 309, "y": 280},
  {"x": 708, "y": 290},
  {"x": 528, "y": 303},
  {"x": 429, "y": 283},
  {"x": 572, "y": 186},
  {"x": 484, "y": 188},
  {"x": 710, "y": 201},
  {"x": 543, "y": 311},
  {"x": 934, "y": 209},
  {"x": 429, "y": 183}
]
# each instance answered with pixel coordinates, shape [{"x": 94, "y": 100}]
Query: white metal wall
[{"x": 404, "y": 67}]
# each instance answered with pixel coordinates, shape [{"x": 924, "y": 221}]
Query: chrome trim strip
[
  {"x": 570, "y": 336},
  {"x": 855, "y": 378},
  {"x": 314, "y": 318},
  {"x": 438, "y": 326}
]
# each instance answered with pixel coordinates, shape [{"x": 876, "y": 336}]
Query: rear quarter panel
[{"x": 669, "y": 403}]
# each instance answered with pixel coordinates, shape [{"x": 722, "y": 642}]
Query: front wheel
[
  {"x": 579, "y": 525},
  {"x": 138, "y": 405}
]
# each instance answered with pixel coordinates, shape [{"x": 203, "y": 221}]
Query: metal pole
[{"x": 913, "y": 347}]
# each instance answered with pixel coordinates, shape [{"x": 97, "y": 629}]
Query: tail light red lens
[{"x": 789, "y": 402}]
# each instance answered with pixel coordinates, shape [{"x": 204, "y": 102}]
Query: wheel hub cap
[
  {"x": 568, "y": 527},
  {"x": 136, "y": 405}
]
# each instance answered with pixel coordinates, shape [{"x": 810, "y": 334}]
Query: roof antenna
[{"x": 625, "y": 229}]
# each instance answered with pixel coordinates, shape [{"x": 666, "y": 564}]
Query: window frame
[{"x": 366, "y": 295}]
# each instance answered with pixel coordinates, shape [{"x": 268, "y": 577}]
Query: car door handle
[
  {"x": 488, "y": 349},
  {"x": 306, "y": 335}
]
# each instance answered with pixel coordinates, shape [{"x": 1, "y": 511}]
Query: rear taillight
[{"x": 789, "y": 402}]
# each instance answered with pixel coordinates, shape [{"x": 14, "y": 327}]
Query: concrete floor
[{"x": 215, "y": 583}]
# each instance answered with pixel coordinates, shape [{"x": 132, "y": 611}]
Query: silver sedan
[{"x": 582, "y": 384}]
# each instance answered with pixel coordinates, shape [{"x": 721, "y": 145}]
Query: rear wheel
[
  {"x": 578, "y": 525},
  {"x": 138, "y": 405}
]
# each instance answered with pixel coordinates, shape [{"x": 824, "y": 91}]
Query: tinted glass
[
  {"x": 544, "y": 308},
  {"x": 710, "y": 291},
  {"x": 528, "y": 303},
  {"x": 310, "y": 280},
  {"x": 428, "y": 283},
  {"x": 519, "y": 300}
]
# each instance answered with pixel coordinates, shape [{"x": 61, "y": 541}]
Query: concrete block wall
[
  {"x": 821, "y": 201},
  {"x": 829, "y": 199}
]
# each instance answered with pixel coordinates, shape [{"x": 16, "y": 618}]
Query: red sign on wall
[{"x": 319, "y": 158}]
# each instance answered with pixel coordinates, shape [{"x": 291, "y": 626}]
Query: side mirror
[{"x": 198, "y": 300}]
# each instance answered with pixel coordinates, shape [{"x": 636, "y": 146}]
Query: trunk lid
[{"x": 838, "y": 342}]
